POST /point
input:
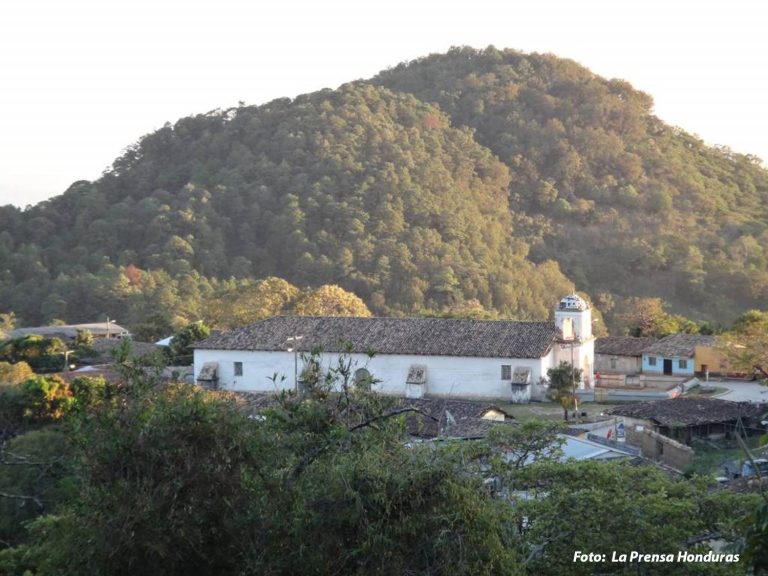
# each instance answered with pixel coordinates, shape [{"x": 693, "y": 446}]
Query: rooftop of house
[
  {"x": 442, "y": 418},
  {"x": 623, "y": 345},
  {"x": 97, "y": 329},
  {"x": 432, "y": 417},
  {"x": 584, "y": 449},
  {"x": 678, "y": 412},
  {"x": 452, "y": 418},
  {"x": 679, "y": 345},
  {"x": 411, "y": 336}
]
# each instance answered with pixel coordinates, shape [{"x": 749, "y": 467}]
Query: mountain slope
[
  {"x": 358, "y": 186},
  {"x": 625, "y": 203},
  {"x": 519, "y": 166}
]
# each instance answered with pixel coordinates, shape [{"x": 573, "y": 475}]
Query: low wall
[
  {"x": 618, "y": 395},
  {"x": 666, "y": 451},
  {"x": 611, "y": 380},
  {"x": 661, "y": 381},
  {"x": 621, "y": 364}
]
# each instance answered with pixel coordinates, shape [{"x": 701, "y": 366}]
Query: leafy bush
[
  {"x": 45, "y": 398},
  {"x": 42, "y": 354},
  {"x": 89, "y": 390},
  {"x": 33, "y": 402},
  {"x": 14, "y": 373},
  {"x": 35, "y": 477},
  {"x": 180, "y": 481},
  {"x": 180, "y": 350}
]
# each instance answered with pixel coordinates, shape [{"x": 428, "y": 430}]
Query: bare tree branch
[
  {"x": 700, "y": 539},
  {"x": 390, "y": 415},
  {"x": 23, "y": 460},
  {"x": 22, "y": 497}
]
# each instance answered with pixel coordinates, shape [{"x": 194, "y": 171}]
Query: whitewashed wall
[
  {"x": 583, "y": 358},
  {"x": 455, "y": 376}
]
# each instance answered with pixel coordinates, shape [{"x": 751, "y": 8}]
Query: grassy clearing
[
  {"x": 708, "y": 391},
  {"x": 553, "y": 411},
  {"x": 712, "y": 455}
]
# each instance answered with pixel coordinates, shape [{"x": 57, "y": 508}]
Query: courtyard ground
[
  {"x": 741, "y": 391},
  {"x": 553, "y": 411}
]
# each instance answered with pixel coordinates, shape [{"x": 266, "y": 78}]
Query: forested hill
[
  {"x": 359, "y": 186},
  {"x": 625, "y": 203},
  {"x": 457, "y": 183}
]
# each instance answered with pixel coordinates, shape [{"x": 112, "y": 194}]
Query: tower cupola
[{"x": 573, "y": 317}]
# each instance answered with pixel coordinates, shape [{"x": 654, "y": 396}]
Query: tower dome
[{"x": 573, "y": 302}]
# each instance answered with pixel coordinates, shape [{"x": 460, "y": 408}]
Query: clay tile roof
[
  {"x": 680, "y": 345},
  {"x": 414, "y": 336},
  {"x": 689, "y": 411},
  {"x": 623, "y": 345},
  {"x": 465, "y": 420},
  {"x": 97, "y": 329}
]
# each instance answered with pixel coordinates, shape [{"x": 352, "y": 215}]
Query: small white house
[{"x": 413, "y": 357}]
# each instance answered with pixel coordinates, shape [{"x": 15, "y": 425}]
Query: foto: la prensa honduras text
[{"x": 634, "y": 556}]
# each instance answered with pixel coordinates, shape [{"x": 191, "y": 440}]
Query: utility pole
[
  {"x": 571, "y": 343},
  {"x": 293, "y": 346},
  {"x": 573, "y": 378},
  {"x": 66, "y": 354}
]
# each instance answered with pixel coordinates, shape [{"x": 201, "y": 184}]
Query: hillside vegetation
[
  {"x": 625, "y": 203},
  {"x": 359, "y": 186},
  {"x": 455, "y": 184}
]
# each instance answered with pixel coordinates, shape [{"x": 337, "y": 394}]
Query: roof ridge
[
  {"x": 478, "y": 320},
  {"x": 395, "y": 335}
]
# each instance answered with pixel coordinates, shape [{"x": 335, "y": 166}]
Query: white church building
[{"x": 412, "y": 357}]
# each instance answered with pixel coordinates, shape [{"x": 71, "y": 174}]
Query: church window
[{"x": 362, "y": 376}]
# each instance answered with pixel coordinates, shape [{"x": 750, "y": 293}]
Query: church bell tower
[{"x": 573, "y": 319}]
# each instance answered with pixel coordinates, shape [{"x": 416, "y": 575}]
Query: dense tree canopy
[
  {"x": 180, "y": 350},
  {"x": 177, "y": 480},
  {"x": 649, "y": 317},
  {"x": 625, "y": 203},
  {"x": 455, "y": 184},
  {"x": 40, "y": 353},
  {"x": 174, "y": 479},
  {"x": 746, "y": 344},
  {"x": 359, "y": 187},
  {"x": 605, "y": 508},
  {"x": 330, "y": 300}
]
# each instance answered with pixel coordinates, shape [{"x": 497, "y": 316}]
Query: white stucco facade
[
  {"x": 448, "y": 376},
  {"x": 416, "y": 356},
  {"x": 582, "y": 352},
  {"x": 573, "y": 319}
]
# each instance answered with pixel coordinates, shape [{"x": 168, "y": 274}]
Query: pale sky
[{"x": 80, "y": 80}]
